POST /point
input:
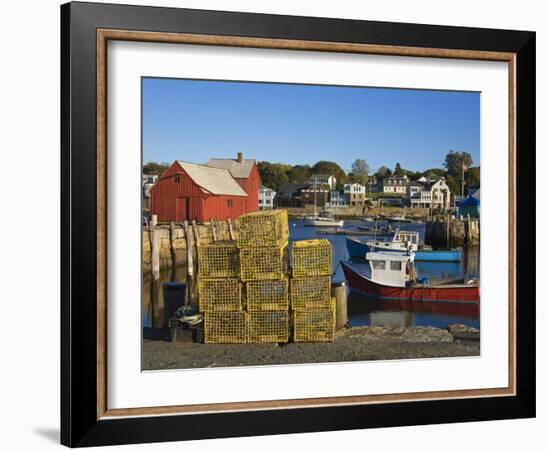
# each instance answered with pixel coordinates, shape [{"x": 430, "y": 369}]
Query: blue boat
[{"x": 358, "y": 249}]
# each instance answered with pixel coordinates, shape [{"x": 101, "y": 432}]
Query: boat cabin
[
  {"x": 403, "y": 241},
  {"x": 391, "y": 269},
  {"x": 412, "y": 237}
]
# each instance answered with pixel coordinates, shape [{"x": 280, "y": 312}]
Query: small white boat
[
  {"x": 319, "y": 221},
  {"x": 400, "y": 218}
]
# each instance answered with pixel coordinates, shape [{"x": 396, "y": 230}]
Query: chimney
[{"x": 240, "y": 157}]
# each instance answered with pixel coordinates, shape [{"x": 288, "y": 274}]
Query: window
[
  {"x": 177, "y": 179},
  {"x": 395, "y": 265},
  {"x": 379, "y": 265},
  {"x": 230, "y": 203}
]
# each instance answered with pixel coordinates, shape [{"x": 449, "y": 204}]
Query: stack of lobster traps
[
  {"x": 243, "y": 284},
  {"x": 263, "y": 249},
  {"x": 220, "y": 293},
  {"x": 313, "y": 308},
  {"x": 246, "y": 294}
]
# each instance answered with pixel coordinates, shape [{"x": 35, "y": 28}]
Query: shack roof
[
  {"x": 212, "y": 180},
  {"x": 237, "y": 169},
  {"x": 470, "y": 201}
]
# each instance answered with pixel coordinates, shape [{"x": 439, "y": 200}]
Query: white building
[
  {"x": 147, "y": 182},
  {"x": 265, "y": 198},
  {"x": 433, "y": 194},
  {"x": 320, "y": 179},
  {"x": 354, "y": 194},
  {"x": 337, "y": 200},
  {"x": 396, "y": 185}
]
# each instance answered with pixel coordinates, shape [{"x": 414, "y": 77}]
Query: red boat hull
[{"x": 468, "y": 295}]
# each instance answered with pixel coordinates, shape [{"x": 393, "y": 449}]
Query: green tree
[
  {"x": 360, "y": 170},
  {"x": 153, "y": 168},
  {"x": 398, "y": 171},
  {"x": 434, "y": 173},
  {"x": 453, "y": 183},
  {"x": 381, "y": 173},
  {"x": 272, "y": 175},
  {"x": 299, "y": 174},
  {"x": 454, "y": 162},
  {"x": 472, "y": 177},
  {"x": 329, "y": 168}
]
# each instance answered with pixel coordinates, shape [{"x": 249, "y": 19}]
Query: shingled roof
[
  {"x": 237, "y": 169},
  {"x": 213, "y": 180}
]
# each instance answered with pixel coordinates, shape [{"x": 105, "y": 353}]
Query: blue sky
[{"x": 193, "y": 120}]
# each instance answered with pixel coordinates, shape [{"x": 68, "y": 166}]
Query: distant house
[
  {"x": 321, "y": 179},
  {"x": 433, "y": 194},
  {"x": 354, "y": 194},
  {"x": 188, "y": 191},
  {"x": 265, "y": 198},
  {"x": 147, "y": 182},
  {"x": 290, "y": 195},
  {"x": 472, "y": 190},
  {"x": 337, "y": 200},
  {"x": 373, "y": 185},
  {"x": 245, "y": 172},
  {"x": 396, "y": 185},
  {"x": 149, "y": 179},
  {"x": 314, "y": 194}
]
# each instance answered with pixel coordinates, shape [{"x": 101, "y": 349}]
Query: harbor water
[
  {"x": 362, "y": 311},
  {"x": 366, "y": 311}
]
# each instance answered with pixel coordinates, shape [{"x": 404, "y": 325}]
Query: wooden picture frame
[{"x": 85, "y": 417}]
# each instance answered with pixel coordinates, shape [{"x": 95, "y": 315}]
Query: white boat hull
[{"x": 323, "y": 223}]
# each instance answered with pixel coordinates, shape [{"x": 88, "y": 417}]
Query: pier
[{"x": 449, "y": 231}]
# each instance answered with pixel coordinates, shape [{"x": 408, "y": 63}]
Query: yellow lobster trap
[
  {"x": 228, "y": 327},
  {"x": 220, "y": 294},
  {"x": 263, "y": 228},
  {"x": 311, "y": 257},
  {"x": 310, "y": 292},
  {"x": 315, "y": 324},
  {"x": 267, "y": 295},
  {"x": 264, "y": 263},
  {"x": 219, "y": 259},
  {"x": 268, "y": 326}
]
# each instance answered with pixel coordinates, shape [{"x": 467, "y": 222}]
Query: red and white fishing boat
[{"x": 392, "y": 277}]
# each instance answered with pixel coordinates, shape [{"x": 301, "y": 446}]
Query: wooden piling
[
  {"x": 448, "y": 230},
  {"x": 214, "y": 234},
  {"x": 172, "y": 238},
  {"x": 230, "y": 228},
  {"x": 155, "y": 250},
  {"x": 191, "y": 281}
]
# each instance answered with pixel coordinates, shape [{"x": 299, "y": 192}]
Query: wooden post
[
  {"x": 172, "y": 233},
  {"x": 155, "y": 250},
  {"x": 190, "y": 263},
  {"x": 230, "y": 228},
  {"x": 214, "y": 234},
  {"x": 196, "y": 235},
  {"x": 448, "y": 230},
  {"x": 157, "y": 306}
]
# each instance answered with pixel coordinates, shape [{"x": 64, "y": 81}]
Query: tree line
[{"x": 276, "y": 175}]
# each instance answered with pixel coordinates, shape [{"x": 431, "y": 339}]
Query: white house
[
  {"x": 320, "y": 179},
  {"x": 265, "y": 197},
  {"x": 147, "y": 182},
  {"x": 354, "y": 194},
  {"x": 433, "y": 194},
  {"x": 396, "y": 185}
]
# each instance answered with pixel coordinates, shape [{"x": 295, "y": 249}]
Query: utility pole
[{"x": 462, "y": 183}]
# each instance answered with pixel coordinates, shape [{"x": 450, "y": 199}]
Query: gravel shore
[{"x": 354, "y": 344}]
